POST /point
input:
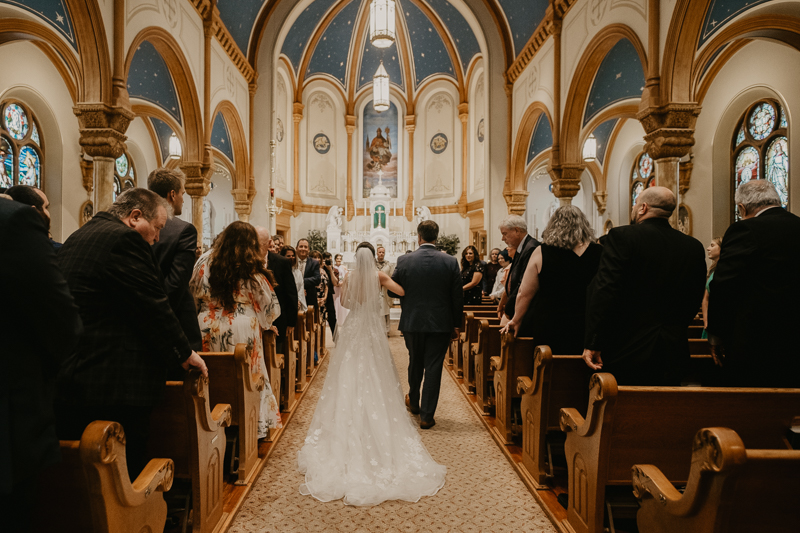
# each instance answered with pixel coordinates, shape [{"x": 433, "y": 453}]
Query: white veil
[{"x": 362, "y": 289}]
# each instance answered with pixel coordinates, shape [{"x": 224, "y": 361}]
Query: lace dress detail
[{"x": 362, "y": 445}]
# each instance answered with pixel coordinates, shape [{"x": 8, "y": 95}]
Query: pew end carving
[
  {"x": 302, "y": 336},
  {"x": 514, "y": 361}
]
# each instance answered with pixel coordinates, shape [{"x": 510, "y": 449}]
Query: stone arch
[
  {"x": 519, "y": 156},
  {"x": 241, "y": 173}
]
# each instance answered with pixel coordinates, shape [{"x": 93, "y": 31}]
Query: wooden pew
[
  {"x": 731, "y": 489},
  {"x": 458, "y": 343},
  {"x": 301, "y": 335},
  {"x": 289, "y": 371},
  {"x": 185, "y": 429},
  {"x": 487, "y": 346},
  {"x": 699, "y": 347},
  {"x": 467, "y": 363},
  {"x": 516, "y": 359},
  {"x": 312, "y": 341},
  {"x": 625, "y": 426},
  {"x": 232, "y": 383},
  {"x": 557, "y": 381},
  {"x": 91, "y": 491},
  {"x": 322, "y": 338},
  {"x": 275, "y": 361}
]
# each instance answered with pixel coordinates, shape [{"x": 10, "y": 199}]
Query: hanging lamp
[
  {"x": 590, "y": 149},
  {"x": 175, "y": 150},
  {"x": 380, "y": 89},
  {"x": 382, "y": 23}
]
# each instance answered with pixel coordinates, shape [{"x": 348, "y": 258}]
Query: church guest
[
  {"x": 490, "y": 270},
  {"x": 277, "y": 244},
  {"x": 176, "y": 251},
  {"x": 647, "y": 290},
  {"x": 237, "y": 300},
  {"x": 713, "y": 252},
  {"x": 131, "y": 335},
  {"x": 333, "y": 281},
  {"x": 551, "y": 303},
  {"x": 286, "y": 290},
  {"x": 499, "y": 287},
  {"x": 289, "y": 253},
  {"x": 25, "y": 194},
  {"x": 322, "y": 288},
  {"x": 386, "y": 300},
  {"x": 515, "y": 234},
  {"x": 310, "y": 269},
  {"x": 42, "y": 327},
  {"x": 752, "y": 307},
  {"x": 341, "y": 273},
  {"x": 471, "y": 275}
]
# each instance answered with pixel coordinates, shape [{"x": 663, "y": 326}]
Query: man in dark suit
[
  {"x": 42, "y": 326},
  {"x": 310, "y": 269},
  {"x": 431, "y": 314},
  {"x": 647, "y": 290},
  {"x": 286, "y": 290},
  {"x": 753, "y": 297},
  {"x": 514, "y": 229},
  {"x": 131, "y": 336},
  {"x": 175, "y": 252},
  {"x": 36, "y": 198}
]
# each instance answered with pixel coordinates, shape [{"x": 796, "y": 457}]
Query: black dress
[
  {"x": 474, "y": 295},
  {"x": 557, "y": 314}
]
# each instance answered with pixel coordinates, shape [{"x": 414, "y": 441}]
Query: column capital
[
  {"x": 87, "y": 173},
  {"x": 197, "y": 180},
  {"x": 350, "y": 124},
  {"x": 600, "y": 198},
  {"x": 566, "y": 179},
  {"x": 669, "y": 129},
  {"x": 102, "y": 128},
  {"x": 516, "y": 201},
  {"x": 463, "y": 109},
  {"x": 297, "y": 112},
  {"x": 242, "y": 203}
]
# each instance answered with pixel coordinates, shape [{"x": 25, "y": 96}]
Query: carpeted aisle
[{"x": 482, "y": 493}]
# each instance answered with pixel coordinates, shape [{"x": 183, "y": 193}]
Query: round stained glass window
[
  {"x": 637, "y": 190},
  {"x": 122, "y": 165},
  {"x": 762, "y": 121},
  {"x": 29, "y": 167},
  {"x": 777, "y": 167},
  {"x": 746, "y": 165},
  {"x": 16, "y": 121},
  {"x": 645, "y": 166},
  {"x": 6, "y": 163}
]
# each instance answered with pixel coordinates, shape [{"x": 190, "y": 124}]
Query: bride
[{"x": 362, "y": 446}]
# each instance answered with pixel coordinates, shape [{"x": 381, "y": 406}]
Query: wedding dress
[{"x": 362, "y": 445}]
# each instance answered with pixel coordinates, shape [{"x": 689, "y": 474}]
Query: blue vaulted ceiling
[
  {"x": 523, "y": 18},
  {"x": 720, "y": 12},
  {"x": 371, "y": 58},
  {"x": 239, "y": 16},
  {"x": 428, "y": 49},
  {"x": 54, "y": 12},
  {"x": 163, "y": 133},
  {"x": 603, "y": 134},
  {"x": 220, "y": 138},
  {"x": 333, "y": 48},
  {"x": 149, "y": 79},
  {"x": 302, "y": 29},
  {"x": 465, "y": 41},
  {"x": 541, "y": 138},
  {"x": 620, "y": 76}
]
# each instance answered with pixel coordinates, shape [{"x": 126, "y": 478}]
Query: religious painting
[
  {"x": 29, "y": 167},
  {"x": 322, "y": 144},
  {"x": 380, "y": 149},
  {"x": 6, "y": 163},
  {"x": 439, "y": 143}
]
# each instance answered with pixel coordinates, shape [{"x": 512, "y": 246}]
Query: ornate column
[
  {"x": 241, "y": 203},
  {"x": 350, "y": 125},
  {"x": 297, "y": 116},
  {"x": 102, "y": 136},
  {"x": 119, "y": 89},
  {"x": 566, "y": 181},
  {"x": 463, "y": 115},
  {"x": 197, "y": 186},
  {"x": 411, "y": 125}
]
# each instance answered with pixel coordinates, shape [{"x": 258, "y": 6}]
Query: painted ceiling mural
[
  {"x": 54, "y": 12},
  {"x": 541, "y": 138},
  {"x": 149, "y": 79},
  {"x": 220, "y": 137},
  {"x": 619, "y": 77}
]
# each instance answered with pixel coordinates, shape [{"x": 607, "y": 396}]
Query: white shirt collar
[
  {"x": 427, "y": 244},
  {"x": 767, "y": 209}
]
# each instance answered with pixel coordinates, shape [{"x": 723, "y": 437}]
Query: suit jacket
[
  {"x": 286, "y": 291},
  {"x": 131, "y": 335},
  {"x": 646, "y": 292},
  {"x": 311, "y": 280},
  {"x": 753, "y": 301},
  {"x": 41, "y": 325},
  {"x": 434, "y": 298},
  {"x": 175, "y": 255},
  {"x": 518, "y": 266}
]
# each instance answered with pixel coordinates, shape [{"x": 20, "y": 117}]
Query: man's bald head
[
  {"x": 653, "y": 202},
  {"x": 264, "y": 240}
]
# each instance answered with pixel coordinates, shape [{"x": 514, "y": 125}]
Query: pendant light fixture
[
  {"x": 590, "y": 149},
  {"x": 175, "y": 150},
  {"x": 380, "y": 89},
  {"x": 382, "y": 23}
]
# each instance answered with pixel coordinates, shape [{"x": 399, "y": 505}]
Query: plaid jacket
[{"x": 131, "y": 335}]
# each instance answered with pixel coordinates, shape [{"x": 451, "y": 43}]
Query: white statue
[
  {"x": 422, "y": 213},
  {"x": 334, "y": 218}
]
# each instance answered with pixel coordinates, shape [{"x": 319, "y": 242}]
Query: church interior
[{"x": 289, "y": 115}]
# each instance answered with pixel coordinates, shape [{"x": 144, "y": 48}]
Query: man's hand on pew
[
  {"x": 197, "y": 362},
  {"x": 512, "y": 327},
  {"x": 592, "y": 358}
]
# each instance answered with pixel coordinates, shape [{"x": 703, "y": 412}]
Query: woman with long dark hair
[
  {"x": 471, "y": 275},
  {"x": 713, "y": 250},
  {"x": 236, "y": 300}
]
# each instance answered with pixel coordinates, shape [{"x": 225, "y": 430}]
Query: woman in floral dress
[{"x": 236, "y": 300}]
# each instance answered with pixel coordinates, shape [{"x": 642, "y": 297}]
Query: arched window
[
  {"x": 21, "y": 150},
  {"x": 760, "y": 149},
  {"x": 124, "y": 175},
  {"x": 643, "y": 175}
]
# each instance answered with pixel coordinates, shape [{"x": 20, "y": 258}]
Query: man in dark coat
[
  {"x": 753, "y": 297},
  {"x": 431, "y": 314},
  {"x": 647, "y": 290},
  {"x": 310, "y": 269},
  {"x": 42, "y": 326},
  {"x": 286, "y": 290},
  {"x": 131, "y": 336},
  {"x": 514, "y": 229},
  {"x": 175, "y": 252}
]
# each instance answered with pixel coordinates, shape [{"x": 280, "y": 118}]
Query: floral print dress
[{"x": 256, "y": 308}]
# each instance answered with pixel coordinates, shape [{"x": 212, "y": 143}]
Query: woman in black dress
[
  {"x": 551, "y": 303},
  {"x": 471, "y": 275}
]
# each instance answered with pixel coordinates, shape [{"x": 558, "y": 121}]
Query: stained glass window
[
  {"x": 637, "y": 190},
  {"x": 124, "y": 175},
  {"x": 642, "y": 175},
  {"x": 21, "y": 147},
  {"x": 761, "y": 150},
  {"x": 122, "y": 165},
  {"x": 117, "y": 188}
]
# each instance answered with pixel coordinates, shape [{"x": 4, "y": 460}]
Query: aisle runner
[{"x": 482, "y": 493}]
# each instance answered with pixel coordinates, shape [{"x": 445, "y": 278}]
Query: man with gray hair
[
  {"x": 646, "y": 292},
  {"x": 753, "y": 297},
  {"x": 515, "y": 234},
  {"x": 131, "y": 335}
]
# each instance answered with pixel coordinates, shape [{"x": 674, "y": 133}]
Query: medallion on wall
[
  {"x": 87, "y": 212},
  {"x": 439, "y": 143},
  {"x": 321, "y": 143},
  {"x": 279, "y": 130},
  {"x": 481, "y": 131}
]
